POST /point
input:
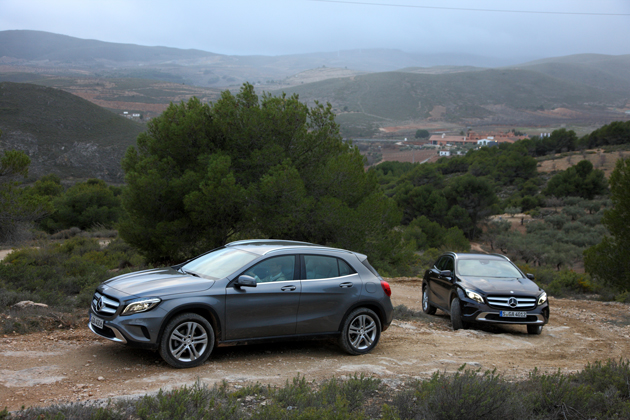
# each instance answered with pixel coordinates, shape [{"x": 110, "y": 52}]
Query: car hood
[
  {"x": 157, "y": 282},
  {"x": 500, "y": 286}
]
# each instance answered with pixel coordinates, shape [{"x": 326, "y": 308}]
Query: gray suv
[{"x": 246, "y": 291}]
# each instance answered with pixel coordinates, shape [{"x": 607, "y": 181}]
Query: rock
[
  {"x": 29, "y": 304},
  {"x": 100, "y": 378}
]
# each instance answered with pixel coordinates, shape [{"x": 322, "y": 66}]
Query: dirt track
[{"x": 64, "y": 366}]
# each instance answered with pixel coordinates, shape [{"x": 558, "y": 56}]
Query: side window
[
  {"x": 449, "y": 264},
  {"x": 440, "y": 263},
  {"x": 320, "y": 267},
  {"x": 344, "y": 268},
  {"x": 274, "y": 269}
]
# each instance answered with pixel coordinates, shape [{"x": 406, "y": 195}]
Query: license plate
[
  {"x": 96, "y": 321},
  {"x": 513, "y": 314}
]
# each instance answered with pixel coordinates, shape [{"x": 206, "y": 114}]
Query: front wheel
[
  {"x": 456, "y": 315},
  {"x": 360, "y": 332},
  {"x": 187, "y": 341},
  {"x": 534, "y": 329}
]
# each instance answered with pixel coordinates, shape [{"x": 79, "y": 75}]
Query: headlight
[
  {"x": 140, "y": 306},
  {"x": 474, "y": 296},
  {"x": 542, "y": 298}
]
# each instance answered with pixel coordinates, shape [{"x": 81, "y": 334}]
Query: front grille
[
  {"x": 104, "y": 305},
  {"x": 512, "y": 302}
]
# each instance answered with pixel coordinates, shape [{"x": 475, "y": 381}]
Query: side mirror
[
  {"x": 245, "y": 281},
  {"x": 530, "y": 276},
  {"x": 446, "y": 273}
]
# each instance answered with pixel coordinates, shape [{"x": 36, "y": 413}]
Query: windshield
[
  {"x": 487, "y": 268},
  {"x": 220, "y": 263}
]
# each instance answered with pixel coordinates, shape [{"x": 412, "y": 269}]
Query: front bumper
[
  {"x": 473, "y": 311},
  {"x": 140, "y": 330}
]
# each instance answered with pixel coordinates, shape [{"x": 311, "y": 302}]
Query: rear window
[{"x": 369, "y": 267}]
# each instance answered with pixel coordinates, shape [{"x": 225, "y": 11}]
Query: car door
[
  {"x": 441, "y": 283},
  {"x": 329, "y": 287},
  {"x": 270, "y": 308},
  {"x": 433, "y": 282}
]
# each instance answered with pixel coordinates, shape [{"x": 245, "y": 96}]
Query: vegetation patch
[{"x": 599, "y": 391}]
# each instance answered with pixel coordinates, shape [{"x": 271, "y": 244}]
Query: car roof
[
  {"x": 477, "y": 255},
  {"x": 266, "y": 246}
]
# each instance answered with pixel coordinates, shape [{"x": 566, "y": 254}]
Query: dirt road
[{"x": 64, "y": 366}]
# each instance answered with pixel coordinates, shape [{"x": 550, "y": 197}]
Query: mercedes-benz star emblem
[
  {"x": 100, "y": 304},
  {"x": 513, "y": 302}
]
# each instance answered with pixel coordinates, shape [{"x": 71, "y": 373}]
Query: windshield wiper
[{"x": 190, "y": 273}]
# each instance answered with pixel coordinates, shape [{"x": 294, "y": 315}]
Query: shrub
[
  {"x": 57, "y": 271},
  {"x": 465, "y": 395},
  {"x": 84, "y": 205}
]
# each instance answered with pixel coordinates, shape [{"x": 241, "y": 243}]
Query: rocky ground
[{"x": 75, "y": 365}]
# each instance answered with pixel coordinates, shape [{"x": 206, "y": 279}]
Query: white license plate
[
  {"x": 513, "y": 314},
  {"x": 96, "y": 321}
]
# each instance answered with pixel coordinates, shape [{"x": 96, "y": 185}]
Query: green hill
[
  {"x": 402, "y": 96},
  {"x": 606, "y": 72},
  {"x": 63, "y": 133}
]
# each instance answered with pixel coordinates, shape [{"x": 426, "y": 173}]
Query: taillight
[{"x": 386, "y": 288}]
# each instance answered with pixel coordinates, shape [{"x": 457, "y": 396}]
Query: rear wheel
[
  {"x": 427, "y": 308},
  {"x": 456, "y": 315},
  {"x": 187, "y": 341},
  {"x": 534, "y": 329},
  {"x": 360, "y": 332}
]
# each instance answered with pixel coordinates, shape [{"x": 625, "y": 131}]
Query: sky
[{"x": 527, "y": 29}]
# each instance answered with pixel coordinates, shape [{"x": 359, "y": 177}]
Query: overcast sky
[{"x": 275, "y": 27}]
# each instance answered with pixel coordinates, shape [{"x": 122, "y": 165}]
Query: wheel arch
[
  {"x": 205, "y": 311},
  {"x": 373, "y": 306}
]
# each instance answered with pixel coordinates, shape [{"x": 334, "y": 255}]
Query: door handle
[
  {"x": 288, "y": 288},
  {"x": 346, "y": 284}
]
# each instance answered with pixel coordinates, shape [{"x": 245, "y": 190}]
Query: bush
[
  {"x": 85, "y": 205},
  {"x": 55, "y": 272},
  {"x": 465, "y": 395}
]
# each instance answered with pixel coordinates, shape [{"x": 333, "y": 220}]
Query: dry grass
[{"x": 599, "y": 159}]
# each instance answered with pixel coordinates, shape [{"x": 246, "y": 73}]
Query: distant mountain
[
  {"x": 63, "y": 133},
  {"x": 46, "y": 51},
  {"x": 606, "y": 72},
  {"x": 45, "y": 46},
  {"x": 368, "y": 88}
]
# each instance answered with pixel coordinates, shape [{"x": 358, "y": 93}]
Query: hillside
[
  {"x": 63, "y": 133},
  {"x": 475, "y": 97},
  {"x": 601, "y": 71}
]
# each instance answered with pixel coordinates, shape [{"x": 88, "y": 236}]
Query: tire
[
  {"x": 361, "y": 332},
  {"x": 427, "y": 308},
  {"x": 534, "y": 329},
  {"x": 456, "y": 315},
  {"x": 187, "y": 341}
]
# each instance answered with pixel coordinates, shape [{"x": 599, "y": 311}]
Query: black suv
[{"x": 484, "y": 288}]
